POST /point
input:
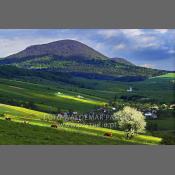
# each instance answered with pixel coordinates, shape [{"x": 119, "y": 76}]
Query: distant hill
[{"x": 75, "y": 57}]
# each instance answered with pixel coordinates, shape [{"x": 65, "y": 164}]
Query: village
[{"x": 105, "y": 113}]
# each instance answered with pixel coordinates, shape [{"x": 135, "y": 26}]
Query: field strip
[{"x": 83, "y": 100}]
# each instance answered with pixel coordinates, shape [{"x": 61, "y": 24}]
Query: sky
[{"x": 154, "y": 48}]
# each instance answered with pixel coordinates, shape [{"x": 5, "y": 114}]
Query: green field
[
  {"x": 45, "y": 97},
  {"x": 43, "y": 94},
  {"x": 168, "y": 75},
  {"x": 39, "y": 131},
  {"x": 52, "y": 97},
  {"x": 81, "y": 99}
]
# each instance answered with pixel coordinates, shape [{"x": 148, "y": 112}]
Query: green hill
[
  {"x": 61, "y": 48},
  {"x": 38, "y": 131},
  {"x": 73, "y": 56},
  {"x": 45, "y": 97}
]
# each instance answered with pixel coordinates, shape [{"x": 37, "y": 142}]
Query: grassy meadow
[
  {"x": 31, "y": 100},
  {"x": 39, "y": 131}
]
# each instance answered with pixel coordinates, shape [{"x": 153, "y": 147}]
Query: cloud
[
  {"x": 140, "y": 39},
  {"x": 171, "y": 51},
  {"x": 132, "y": 32},
  {"x": 108, "y": 33},
  {"x": 148, "y": 65},
  {"x": 147, "y": 41},
  {"x": 99, "y": 46},
  {"x": 120, "y": 47},
  {"x": 162, "y": 31}
]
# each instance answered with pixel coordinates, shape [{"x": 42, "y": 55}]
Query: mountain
[
  {"x": 123, "y": 61},
  {"x": 62, "y": 48},
  {"x": 76, "y": 58}
]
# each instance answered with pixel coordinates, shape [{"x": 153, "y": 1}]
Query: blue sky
[{"x": 153, "y": 48}]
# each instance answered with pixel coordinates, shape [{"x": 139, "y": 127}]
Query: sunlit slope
[
  {"x": 168, "y": 75},
  {"x": 80, "y": 99},
  {"x": 44, "y": 97},
  {"x": 38, "y": 131}
]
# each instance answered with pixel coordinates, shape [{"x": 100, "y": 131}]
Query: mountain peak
[
  {"x": 65, "y": 41},
  {"x": 63, "y": 48}
]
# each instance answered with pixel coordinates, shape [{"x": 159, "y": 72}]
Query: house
[
  {"x": 113, "y": 108},
  {"x": 150, "y": 115},
  {"x": 75, "y": 113},
  {"x": 129, "y": 90},
  {"x": 155, "y": 107},
  {"x": 79, "y": 96},
  {"x": 164, "y": 106},
  {"x": 172, "y": 106}
]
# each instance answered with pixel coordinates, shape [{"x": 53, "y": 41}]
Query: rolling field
[
  {"x": 81, "y": 99},
  {"x": 160, "y": 88},
  {"x": 45, "y": 97},
  {"x": 39, "y": 131},
  {"x": 53, "y": 97}
]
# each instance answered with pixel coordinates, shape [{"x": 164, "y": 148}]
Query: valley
[{"x": 69, "y": 77}]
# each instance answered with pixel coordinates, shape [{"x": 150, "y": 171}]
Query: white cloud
[
  {"x": 109, "y": 33},
  {"x": 132, "y": 32},
  {"x": 138, "y": 37},
  {"x": 162, "y": 31},
  {"x": 120, "y": 47},
  {"x": 148, "y": 65},
  {"x": 171, "y": 51},
  {"x": 141, "y": 39},
  {"x": 148, "y": 41},
  {"x": 99, "y": 46}
]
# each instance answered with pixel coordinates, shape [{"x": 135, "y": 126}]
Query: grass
[
  {"x": 82, "y": 100},
  {"x": 167, "y": 123},
  {"x": 43, "y": 96},
  {"x": 40, "y": 132},
  {"x": 157, "y": 88},
  {"x": 19, "y": 111},
  {"x": 42, "y": 93},
  {"x": 168, "y": 75}
]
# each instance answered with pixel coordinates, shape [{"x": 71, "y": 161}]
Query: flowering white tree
[{"x": 131, "y": 121}]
